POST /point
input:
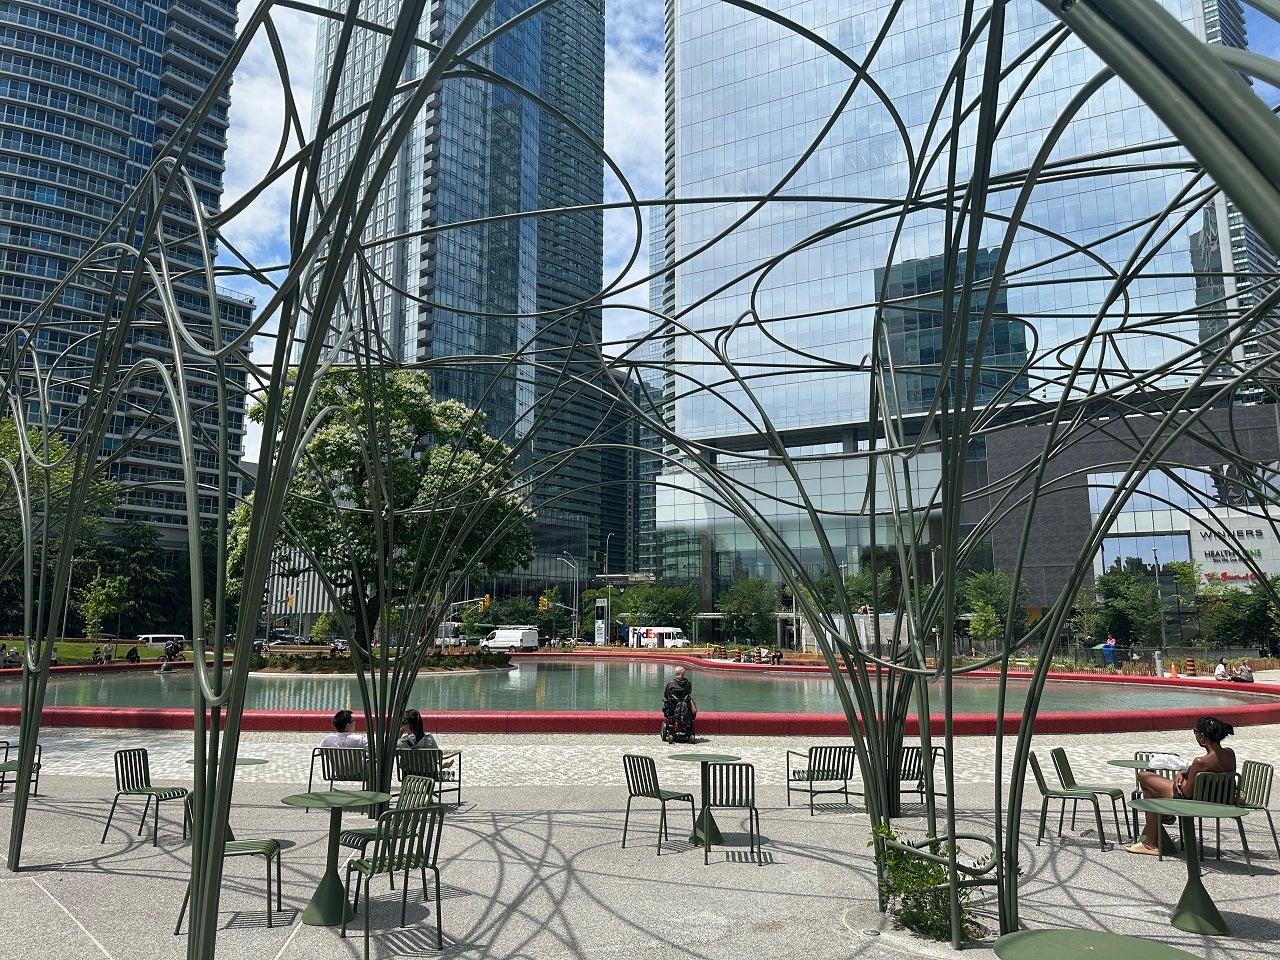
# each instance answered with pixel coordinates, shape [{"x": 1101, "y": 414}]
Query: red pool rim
[{"x": 709, "y": 723}]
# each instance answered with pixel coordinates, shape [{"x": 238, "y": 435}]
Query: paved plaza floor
[{"x": 533, "y": 866}]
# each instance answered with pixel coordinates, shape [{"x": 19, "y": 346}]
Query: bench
[{"x": 821, "y": 770}]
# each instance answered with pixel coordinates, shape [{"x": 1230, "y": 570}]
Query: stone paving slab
[{"x": 533, "y": 867}]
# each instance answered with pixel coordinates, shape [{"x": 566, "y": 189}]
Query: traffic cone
[{"x": 1173, "y": 670}]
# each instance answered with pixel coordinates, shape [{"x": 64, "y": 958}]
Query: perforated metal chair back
[
  {"x": 344, "y": 764},
  {"x": 133, "y": 770},
  {"x": 642, "y": 775},
  {"x": 1255, "y": 784},
  {"x": 731, "y": 785}
]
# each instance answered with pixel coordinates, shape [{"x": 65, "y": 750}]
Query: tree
[
  {"x": 104, "y": 598},
  {"x": 878, "y": 595},
  {"x": 995, "y": 588},
  {"x": 1130, "y": 608},
  {"x": 442, "y": 485},
  {"x": 986, "y": 625},
  {"x": 326, "y": 628},
  {"x": 651, "y": 605},
  {"x": 750, "y": 606}
]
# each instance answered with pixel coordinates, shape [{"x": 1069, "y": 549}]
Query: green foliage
[
  {"x": 1085, "y": 617},
  {"x": 1240, "y": 618},
  {"x": 438, "y": 483},
  {"x": 1130, "y": 607},
  {"x": 985, "y": 625},
  {"x": 750, "y": 606},
  {"x": 918, "y": 889},
  {"x": 995, "y": 588},
  {"x": 105, "y": 598},
  {"x": 327, "y": 627},
  {"x": 651, "y": 605},
  {"x": 878, "y": 593}
]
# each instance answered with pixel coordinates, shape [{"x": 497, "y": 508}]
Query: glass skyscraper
[
  {"x": 805, "y": 211},
  {"x": 90, "y": 91},
  {"x": 479, "y": 150}
]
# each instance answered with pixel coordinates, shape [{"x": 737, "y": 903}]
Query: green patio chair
[
  {"x": 268, "y": 849},
  {"x": 1063, "y": 766},
  {"x": 407, "y": 838},
  {"x": 133, "y": 779},
  {"x": 1255, "y": 791},
  {"x": 1048, "y": 793},
  {"x": 9, "y": 767},
  {"x": 415, "y": 791},
  {"x": 642, "y": 781},
  {"x": 821, "y": 770},
  {"x": 1220, "y": 788},
  {"x": 911, "y": 768},
  {"x": 445, "y": 769},
  {"x": 733, "y": 786}
]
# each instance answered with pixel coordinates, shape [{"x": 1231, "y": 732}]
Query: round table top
[
  {"x": 240, "y": 761},
  {"x": 336, "y": 798},
  {"x": 1182, "y": 807},
  {"x": 1133, "y": 764},
  {"x": 704, "y": 757},
  {"x": 1076, "y": 944}
]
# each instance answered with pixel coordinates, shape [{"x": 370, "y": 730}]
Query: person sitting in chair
[
  {"x": 343, "y": 723},
  {"x": 132, "y": 656}
]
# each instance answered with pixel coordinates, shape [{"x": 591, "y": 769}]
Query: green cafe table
[
  {"x": 1196, "y": 911},
  {"x": 705, "y": 825},
  {"x": 1086, "y": 944},
  {"x": 329, "y": 906}
]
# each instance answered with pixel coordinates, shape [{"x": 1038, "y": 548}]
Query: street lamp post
[
  {"x": 568, "y": 558},
  {"x": 608, "y": 594},
  {"x": 1155, "y": 556}
]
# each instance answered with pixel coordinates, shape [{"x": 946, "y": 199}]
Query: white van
[
  {"x": 511, "y": 638},
  {"x": 669, "y": 637},
  {"x": 162, "y": 639}
]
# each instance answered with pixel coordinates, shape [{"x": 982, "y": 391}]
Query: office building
[
  {"x": 458, "y": 287},
  {"x": 788, "y": 289},
  {"x": 90, "y": 92}
]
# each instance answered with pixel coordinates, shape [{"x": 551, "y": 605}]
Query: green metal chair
[
  {"x": 407, "y": 838},
  {"x": 1048, "y": 793},
  {"x": 733, "y": 785},
  {"x": 642, "y": 781},
  {"x": 911, "y": 768},
  {"x": 133, "y": 779},
  {"x": 1220, "y": 788},
  {"x": 267, "y": 849},
  {"x": 821, "y": 770},
  {"x": 1255, "y": 791},
  {"x": 445, "y": 769},
  {"x": 9, "y": 767},
  {"x": 1063, "y": 766},
  {"x": 415, "y": 791}
]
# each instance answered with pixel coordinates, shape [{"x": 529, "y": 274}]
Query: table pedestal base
[
  {"x": 705, "y": 826},
  {"x": 329, "y": 906},
  {"x": 1196, "y": 912}
]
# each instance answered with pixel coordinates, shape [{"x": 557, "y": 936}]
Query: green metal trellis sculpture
[{"x": 978, "y": 195}]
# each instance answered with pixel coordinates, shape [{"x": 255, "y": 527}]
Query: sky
[{"x": 633, "y": 138}]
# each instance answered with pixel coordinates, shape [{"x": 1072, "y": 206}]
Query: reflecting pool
[{"x": 610, "y": 685}]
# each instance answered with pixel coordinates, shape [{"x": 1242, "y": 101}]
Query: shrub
[{"x": 917, "y": 890}]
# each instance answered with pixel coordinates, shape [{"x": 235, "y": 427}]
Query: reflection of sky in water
[{"x": 598, "y": 686}]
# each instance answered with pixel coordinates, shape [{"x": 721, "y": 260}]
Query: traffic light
[{"x": 543, "y": 604}]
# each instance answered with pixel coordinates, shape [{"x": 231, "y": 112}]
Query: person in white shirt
[
  {"x": 343, "y": 722},
  {"x": 1220, "y": 671}
]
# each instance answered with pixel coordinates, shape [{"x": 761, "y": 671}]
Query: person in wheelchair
[{"x": 678, "y": 708}]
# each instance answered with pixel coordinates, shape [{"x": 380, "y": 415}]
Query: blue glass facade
[
  {"x": 792, "y": 234},
  {"x": 460, "y": 288},
  {"x": 89, "y": 92}
]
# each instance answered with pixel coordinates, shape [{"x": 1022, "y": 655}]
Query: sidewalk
[{"x": 532, "y": 865}]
